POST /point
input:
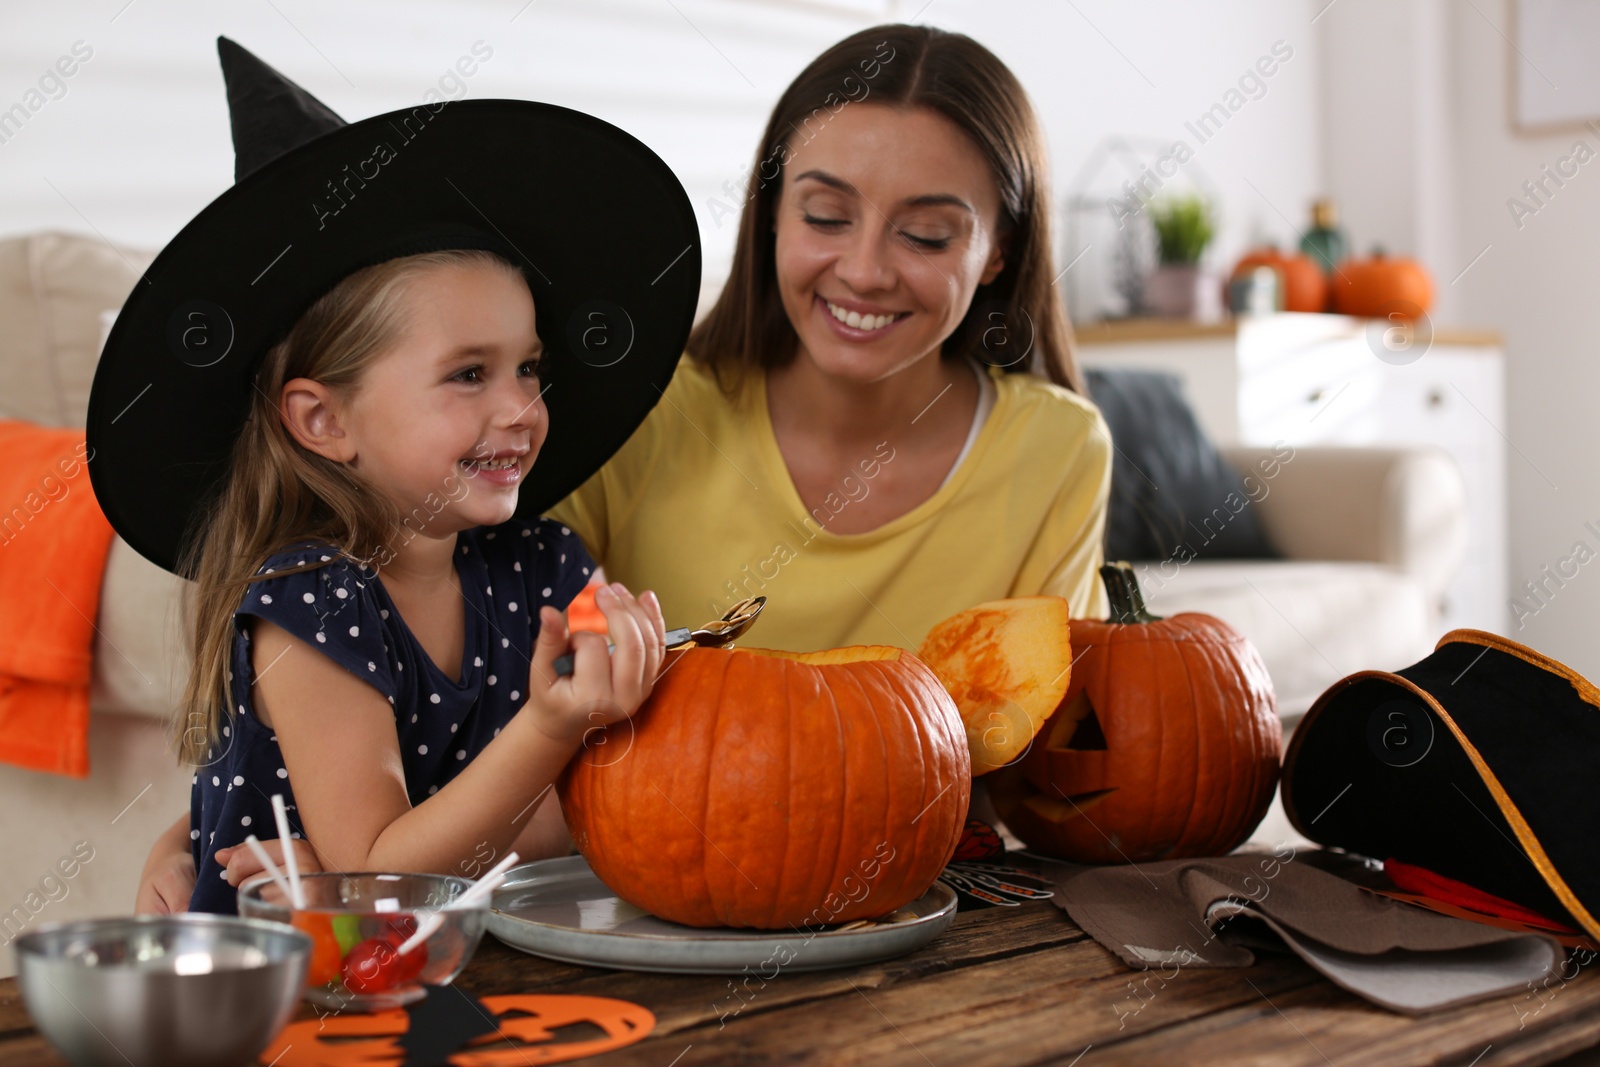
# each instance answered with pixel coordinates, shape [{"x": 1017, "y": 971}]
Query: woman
[{"x": 880, "y": 422}]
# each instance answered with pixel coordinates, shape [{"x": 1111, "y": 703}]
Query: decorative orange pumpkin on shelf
[
  {"x": 1167, "y": 745},
  {"x": 1007, "y": 664},
  {"x": 766, "y": 789},
  {"x": 1381, "y": 286},
  {"x": 1305, "y": 287}
]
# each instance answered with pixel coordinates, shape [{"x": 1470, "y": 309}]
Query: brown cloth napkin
[{"x": 1212, "y": 912}]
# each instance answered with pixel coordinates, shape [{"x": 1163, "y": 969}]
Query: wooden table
[{"x": 1016, "y": 986}]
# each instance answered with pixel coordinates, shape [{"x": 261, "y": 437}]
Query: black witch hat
[{"x": 600, "y": 226}]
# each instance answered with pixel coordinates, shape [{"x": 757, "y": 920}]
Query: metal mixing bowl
[{"x": 178, "y": 990}]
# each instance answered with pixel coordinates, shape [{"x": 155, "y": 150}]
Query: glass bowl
[
  {"x": 153, "y": 988},
  {"x": 357, "y": 923}
]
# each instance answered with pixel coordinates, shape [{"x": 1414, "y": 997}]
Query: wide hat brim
[
  {"x": 1476, "y": 763},
  {"x": 599, "y": 224}
]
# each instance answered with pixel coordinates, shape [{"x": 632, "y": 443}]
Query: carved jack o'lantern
[{"x": 1167, "y": 744}]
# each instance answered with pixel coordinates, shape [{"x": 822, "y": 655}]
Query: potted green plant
[{"x": 1184, "y": 226}]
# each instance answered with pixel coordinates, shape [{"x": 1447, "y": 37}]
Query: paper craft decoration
[
  {"x": 979, "y": 841},
  {"x": 451, "y": 1027},
  {"x": 984, "y": 884}
]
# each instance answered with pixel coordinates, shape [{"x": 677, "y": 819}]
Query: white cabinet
[{"x": 1319, "y": 380}]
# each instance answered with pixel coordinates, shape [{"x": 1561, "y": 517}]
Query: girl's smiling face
[
  {"x": 885, "y": 227},
  {"x": 458, "y": 387}
]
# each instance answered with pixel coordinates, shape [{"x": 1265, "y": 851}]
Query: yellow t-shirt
[{"x": 699, "y": 506}]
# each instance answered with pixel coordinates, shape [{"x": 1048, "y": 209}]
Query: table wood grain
[{"x": 1012, "y": 987}]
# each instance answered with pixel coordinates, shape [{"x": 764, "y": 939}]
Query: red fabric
[
  {"x": 53, "y": 545},
  {"x": 1426, "y": 883}
]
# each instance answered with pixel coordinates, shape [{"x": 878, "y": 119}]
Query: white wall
[
  {"x": 1387, "y": 133},
  {"x": 1422, "y": 152},
  {"x": 1538, "y": 284},
  {"x": 140, "y": 142},
  {"x": 1145, "y": 71}
]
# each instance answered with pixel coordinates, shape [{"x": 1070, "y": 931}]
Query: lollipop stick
[
  {"x": 270, "y": 867},
  {"x": 474, "y": 893},
  {"x": 296, "y": 895}
]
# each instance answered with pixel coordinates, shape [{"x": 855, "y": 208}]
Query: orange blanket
[{"x": 53, "y": 546}]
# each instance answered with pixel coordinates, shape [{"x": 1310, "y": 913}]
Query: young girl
[
  {"x": 409, "y": 712},
  {"x": 376, "y": 607}
]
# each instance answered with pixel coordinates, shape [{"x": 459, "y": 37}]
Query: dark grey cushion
[{"x": 1172, "y": 493}]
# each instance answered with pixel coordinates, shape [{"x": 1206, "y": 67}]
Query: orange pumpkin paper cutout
[{"x": 328, "y": 1042}]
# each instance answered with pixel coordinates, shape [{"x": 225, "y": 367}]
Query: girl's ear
[{"x": 311, "y": 411}]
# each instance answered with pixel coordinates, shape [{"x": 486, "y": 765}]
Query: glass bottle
[{"x": 1324, "y": 242}]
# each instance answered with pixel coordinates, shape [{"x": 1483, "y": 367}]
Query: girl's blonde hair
[{"x": 278, "y": 492}]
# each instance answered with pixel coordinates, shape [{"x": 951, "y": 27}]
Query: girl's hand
[
  {"x": 166, "y": 885},
  {"x": 601, "y": 689},
  {"x": 239, "y": 862}
]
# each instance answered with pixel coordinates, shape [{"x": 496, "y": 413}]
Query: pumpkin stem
[{"x": 1122, "y": 588}]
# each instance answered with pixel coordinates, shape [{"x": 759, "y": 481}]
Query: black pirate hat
[
  {"x": 1474, "y": 764},
  {"x": 599, "y": 225}
]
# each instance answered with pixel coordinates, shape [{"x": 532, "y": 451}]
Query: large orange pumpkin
[
  {"x": 771, "y": 789},
  {"x": 1168, "y": 743},
  {"x": 1382, "y": 286},
  {"x": 1007, "y": 664},
  {"x": 1305, "y": 287}
]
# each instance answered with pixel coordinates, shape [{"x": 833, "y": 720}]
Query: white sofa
[
  {"x": 1373, "y": 536},
  {"x": 55, "y": 291}
]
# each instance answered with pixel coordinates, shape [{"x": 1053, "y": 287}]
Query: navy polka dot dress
[{"x": 507, "y": 573}]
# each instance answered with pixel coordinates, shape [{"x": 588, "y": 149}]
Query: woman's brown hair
[
  {"x": 278, "y": 493},
  {"x": 1017, "y": 320}
]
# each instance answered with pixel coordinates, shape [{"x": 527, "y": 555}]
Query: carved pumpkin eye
[{"x": 533, "y": 1028}]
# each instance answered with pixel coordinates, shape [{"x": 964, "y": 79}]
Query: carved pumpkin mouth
[{"x": 1067, "y": 808}]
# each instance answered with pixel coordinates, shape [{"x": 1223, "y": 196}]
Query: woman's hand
[
  {"x": 167, "y": 881},
  {"x": 601, "y": 689},
  {"x": 239, "y": 861},
  {"x": 166, "y": 884}
]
